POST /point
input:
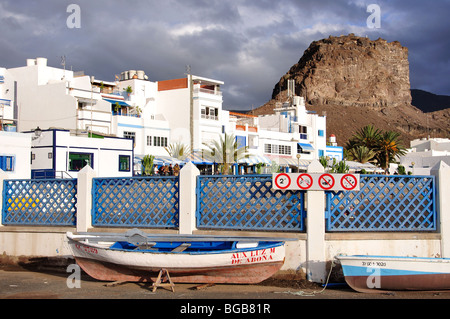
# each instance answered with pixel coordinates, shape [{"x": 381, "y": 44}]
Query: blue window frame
[
  {"x": 79, "y": 160},
  {"x": 7, "y": 163},
  {"x": 124, "y": 163}
]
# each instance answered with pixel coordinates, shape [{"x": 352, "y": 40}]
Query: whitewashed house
[
  {"x": 56, "y": 153},
  {"x": 423, "y": 154},
  {"x": 153, "y": 115},
  {"x": 15, "y": 154},
  {"x": 8, "y": 107}
]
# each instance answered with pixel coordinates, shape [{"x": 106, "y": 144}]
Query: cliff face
[{"x": 357, "y": 81}]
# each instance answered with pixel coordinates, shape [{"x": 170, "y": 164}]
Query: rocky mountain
[
  {"x": 429, "y": 102},
  {"x": 356, "y": 81}
]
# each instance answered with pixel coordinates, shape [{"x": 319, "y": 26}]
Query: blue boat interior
[{"x": 194, "y": 246}]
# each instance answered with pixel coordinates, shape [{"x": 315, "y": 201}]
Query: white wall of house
[
  {"x": 15, "y": 147},
  {"x": 42, "y": 97},
  {"x": 53, "y": 149},
  {"x": 7, "y": 115}
]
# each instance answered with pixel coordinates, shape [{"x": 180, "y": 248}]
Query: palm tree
[
  {"x": 225, "y": 151},
  {"x": 371, "y": 144},
  {"x": 367, "y": 136},
  {"x": 361, "y": 154},
  {"x": 388, "y": 147},
  {"x": 178, "y": 150}
]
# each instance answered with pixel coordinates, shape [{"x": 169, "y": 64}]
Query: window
[
  {"x": 131, "y": 135},
  {"x": 79, "y": 160},
  {"x": 321, "y": 133},
  {"x": 149, "y": 140},
  {"x": 124, "y": 163},
  {"x": 303, "y": 130},
  {"x": 208, "y": 112},
  {"x": 7, "y": 163},
  {"x": 277, "y": 149},
  {"x": 158, "y": 141}
]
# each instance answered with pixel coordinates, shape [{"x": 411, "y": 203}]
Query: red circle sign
[
  {"x": 282, "y": 181},
  {"x": 326, "y": 181},
  {"x": 348, "y": 182},
  {"x": 304, "y": 181}
]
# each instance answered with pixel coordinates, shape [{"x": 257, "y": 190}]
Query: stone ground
[{"x": 34, "y": 281}]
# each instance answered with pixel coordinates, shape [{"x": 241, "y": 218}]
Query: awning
[
  {"x": 86, "y": 100},
  {"x": 198, "y": 158},
  {"x": 113, "y": 101},
  {"x": 255, "y": 159},
  {"x": 294, "y": 162},
  {"x": 159, "y": 160},
  {"x": 166, "y": 160},
  {"x": 5, "y": 102},
  {"x": 289, "y": 161},
  {"x": 306, "y": 147}
]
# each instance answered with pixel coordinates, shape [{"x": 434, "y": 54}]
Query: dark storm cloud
[{"x": 247, "y": 44}]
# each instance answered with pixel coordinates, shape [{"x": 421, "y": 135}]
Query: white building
[
  {"x": 15, "y": 154},
  {"x": 8, "y": 108},
  {"x": 58, "y": 154},
  {"x": 176, "y": 98},
  {"x": 424, "y": 154},
  {"x": 155, "y": 114},
  {"x": 56, "y": 98},
  {"x": 291, "y": 137}
]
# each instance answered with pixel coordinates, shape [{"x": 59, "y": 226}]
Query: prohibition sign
[
  {"x": 326, "y": 181},
  {"x": 282, "y": 181},
  {"x": 348, "y": 182},
  {"x": 304, "y": 181}
]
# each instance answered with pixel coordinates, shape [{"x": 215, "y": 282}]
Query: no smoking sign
[{"x": 316, "y": 181}]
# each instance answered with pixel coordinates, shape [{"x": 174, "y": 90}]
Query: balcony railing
[
  {"x": 210, "y": 117},
  {"x": 207, "y": 91}
]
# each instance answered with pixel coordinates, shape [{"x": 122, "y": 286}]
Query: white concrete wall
[
  {"x": 19, "y": 146},
  {"x": 310, "y": 253},
  {"x": 105, "y": 151}
]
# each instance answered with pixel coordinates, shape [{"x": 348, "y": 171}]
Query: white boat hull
[
  {"x": 249, "y": 266},
  {"x": 387, "y": 273}
]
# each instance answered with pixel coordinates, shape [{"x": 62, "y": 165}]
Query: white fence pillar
[
  {"x": 84, "y": 198},
  {"x": 187, "y": 198},
  {"x": 3, "y": 176},
  {"x": 441, "y": 171},
  {"x": 315, "y": 225}
]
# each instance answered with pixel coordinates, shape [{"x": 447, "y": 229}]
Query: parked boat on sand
[
  {"x": 136, "y": 256},
  {"x": 374, "y": 274}
]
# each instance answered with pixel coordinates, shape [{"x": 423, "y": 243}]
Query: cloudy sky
[{"x": 248, "y": 44}]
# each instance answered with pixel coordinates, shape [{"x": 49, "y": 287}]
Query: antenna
[{"x": 63, "y": 63}]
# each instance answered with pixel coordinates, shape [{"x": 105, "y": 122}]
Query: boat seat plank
[
  {"x": 146, "y": 245},
  {"x": 181, "y": 248}
]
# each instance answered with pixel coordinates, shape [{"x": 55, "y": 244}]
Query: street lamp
[
  {"x": 37, "y": 133},
  {"x": 298, "y": 162}
]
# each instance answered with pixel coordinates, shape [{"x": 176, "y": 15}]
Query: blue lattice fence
[
  {"x": 384, "y": 203},
  {"x": 135, "y": 201},
  {"x": 43, "y": 202},
  {"x": 247, "y": 202}
]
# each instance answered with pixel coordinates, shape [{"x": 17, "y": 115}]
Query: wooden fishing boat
[
  {"x": 139, "y": 257},
  {"x": 374, "y": 274}
]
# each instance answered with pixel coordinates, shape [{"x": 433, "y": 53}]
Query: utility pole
[{"x": 191, "y": 106}]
